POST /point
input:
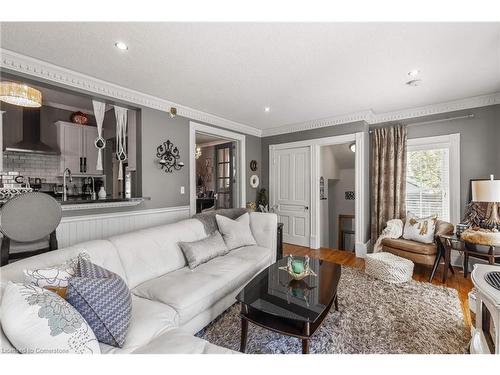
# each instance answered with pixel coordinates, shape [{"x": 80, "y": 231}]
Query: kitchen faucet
[
  {"x": 92, "y": 194},
  {"x": 66, "y": 172}
]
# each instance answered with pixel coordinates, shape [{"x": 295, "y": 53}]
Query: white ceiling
[{"x": 302, "y": 71}]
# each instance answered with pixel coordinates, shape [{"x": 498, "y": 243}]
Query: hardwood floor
[{"x": 421, "y": 273}]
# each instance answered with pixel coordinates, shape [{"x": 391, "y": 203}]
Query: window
[{"x": 432, "y": 177}]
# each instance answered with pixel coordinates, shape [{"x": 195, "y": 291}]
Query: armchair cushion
[{"x": 410, "y": 246}]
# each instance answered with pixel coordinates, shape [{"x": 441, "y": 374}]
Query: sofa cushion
[
  {"x": 150, "y": 319},
  {"x": 150, "y": 253},
  {"x": 190, "y": 292},
  {"x": 410, "y": 246},
  {"x": 56, "y": 276},
  {"x": 177, "y": 341},
  {"x": 38, "y": 321},
  {"x": 101, "y": 252},
  {"x": 237, "y": 232},
  {"x": 103, "y": 299},
  {"x": 419, "y": 229},
  {"x": 199, "y": 252}
]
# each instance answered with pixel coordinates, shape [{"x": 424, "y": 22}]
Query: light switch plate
[{"x": 182, "y": 190}]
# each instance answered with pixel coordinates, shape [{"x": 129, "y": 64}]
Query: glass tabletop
[{"x": 275, "y": 292}]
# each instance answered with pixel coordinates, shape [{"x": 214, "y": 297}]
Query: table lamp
[{"x": 488, "y": 191}]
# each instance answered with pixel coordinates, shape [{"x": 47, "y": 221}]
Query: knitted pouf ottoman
[{"x": 389, "y": 267}]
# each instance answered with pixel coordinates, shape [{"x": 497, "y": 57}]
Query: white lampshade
[{"x": 486, "y": 191}]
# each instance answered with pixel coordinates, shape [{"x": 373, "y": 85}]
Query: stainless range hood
[{"x": 31, "y": 142}]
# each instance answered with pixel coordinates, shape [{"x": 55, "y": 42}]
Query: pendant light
[{"x": 20, "y": 94}]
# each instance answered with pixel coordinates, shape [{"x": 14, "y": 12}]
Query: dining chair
[{"x": 28, "y": 224}]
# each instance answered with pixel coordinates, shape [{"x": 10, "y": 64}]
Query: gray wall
[
  {"x": 164, "y": 188},
  {"x": 330, "y": 131},
  {"x": 479, "y": 143}
]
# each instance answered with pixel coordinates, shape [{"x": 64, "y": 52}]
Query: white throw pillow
[
  {"x": 419, "y": 229},
  {"x": 55, "y": 277},
  {"x": 38, "y": 321},
  {"x": 236, "y": 233}
]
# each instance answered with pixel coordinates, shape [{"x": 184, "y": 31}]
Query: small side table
[{"x": 451, "y": 242}]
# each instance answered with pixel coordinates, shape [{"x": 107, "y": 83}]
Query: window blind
[{"x": 427, "y": 182}]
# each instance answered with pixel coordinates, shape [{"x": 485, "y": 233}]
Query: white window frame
[{"x": 451, "y": 142}]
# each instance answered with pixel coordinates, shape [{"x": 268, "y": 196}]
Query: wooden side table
[{"x": 452, "y": 242}]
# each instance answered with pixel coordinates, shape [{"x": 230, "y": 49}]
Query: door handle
[
  {"x": 81, "y": 165},
  {"x": 85, "y": 165}
]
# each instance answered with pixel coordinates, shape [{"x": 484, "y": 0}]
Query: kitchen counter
[{"x": 73, "y": 204}]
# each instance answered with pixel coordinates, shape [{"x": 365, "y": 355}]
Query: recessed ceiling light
[
  {"x": 267, "y": 109},
  {"x": 414, "y": 73},
  {"x": 414, "y": 82},
  {"x": 121, "y": 45}
]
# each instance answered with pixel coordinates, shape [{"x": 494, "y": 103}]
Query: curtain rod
[{"x": 470, "y": 115}]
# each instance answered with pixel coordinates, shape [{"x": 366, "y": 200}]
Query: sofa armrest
[{"x": 264, "y": 228}]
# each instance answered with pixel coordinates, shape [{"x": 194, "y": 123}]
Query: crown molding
[
  {"x": 17, "y": 62},
  {"x": 320, "y": 123},
  {"x": 370, "y": 117},
  {"x": 434, "y": 109},
  {"x": 30, "y": 66}
]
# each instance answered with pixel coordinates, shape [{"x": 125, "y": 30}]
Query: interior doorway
[
  {"x": 217, "y": 169},
  {"x": 312, "y": 176},
  {"x": 337, "y": 196},
  {"x": 215, "y": 173}
]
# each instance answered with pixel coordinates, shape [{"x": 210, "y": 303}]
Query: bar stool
[{"x": 28, "y": 223}]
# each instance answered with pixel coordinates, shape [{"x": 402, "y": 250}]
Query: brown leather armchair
[{"x": 421, "y": 253}]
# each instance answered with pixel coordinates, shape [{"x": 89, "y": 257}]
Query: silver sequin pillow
[{"x": 199, "y": 252}]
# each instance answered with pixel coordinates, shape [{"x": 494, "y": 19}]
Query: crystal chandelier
[
  {"x": 20, "y": 94},
  {"x": 197, "y": 153}
]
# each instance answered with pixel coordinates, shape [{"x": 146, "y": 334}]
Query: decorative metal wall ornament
[{"x": 169, "y": 157}]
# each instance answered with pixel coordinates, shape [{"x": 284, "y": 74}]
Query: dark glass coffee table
[{"x": 275, "y": 301}]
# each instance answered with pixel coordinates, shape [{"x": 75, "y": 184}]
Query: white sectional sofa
[{"x": 170, "y": 302}]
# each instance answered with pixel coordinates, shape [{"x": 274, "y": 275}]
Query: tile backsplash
[{"x": 45, "y": 167}]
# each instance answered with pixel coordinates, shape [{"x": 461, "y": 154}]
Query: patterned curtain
[{"x": 388, "y": 177}]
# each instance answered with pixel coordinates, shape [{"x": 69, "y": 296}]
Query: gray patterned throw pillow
[{"x": 103, "y": 299}]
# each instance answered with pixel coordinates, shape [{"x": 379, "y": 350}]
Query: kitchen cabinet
[{"x": 78, "y": 152}]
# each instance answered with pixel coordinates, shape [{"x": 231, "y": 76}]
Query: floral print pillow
[
  {"x": 54, "y": 277},
  {"x": 37, "y": 321}
]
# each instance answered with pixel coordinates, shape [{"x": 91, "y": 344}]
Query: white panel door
[{"x": 292, "y": 194}]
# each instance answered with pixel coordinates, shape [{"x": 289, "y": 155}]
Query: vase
[{"x": 102, "y": 193}]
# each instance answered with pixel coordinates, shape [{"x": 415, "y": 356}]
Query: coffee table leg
[
  {"x": 244, "y": 332},
  {"x": 336, "y": 303},
  {"x": 305, "y": 346}
]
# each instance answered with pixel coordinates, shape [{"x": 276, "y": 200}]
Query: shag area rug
[{"x": 373, "y": 317}]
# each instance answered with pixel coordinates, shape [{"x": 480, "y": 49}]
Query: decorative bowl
[{"x": 293, "y": 265}]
